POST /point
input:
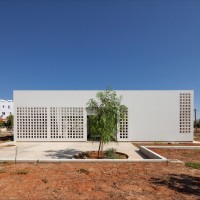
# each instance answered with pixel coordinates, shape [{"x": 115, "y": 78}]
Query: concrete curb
[
  {"x": 151, "y": 154},
  {"x": 84, "y": 160}
]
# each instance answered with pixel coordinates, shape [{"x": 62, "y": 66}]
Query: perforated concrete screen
[
  {"x": 67, "y": 122},
  {"x": 185, "y": 112},
  {"x": 124, "y": 127},
  {"x": 32, "y": 122}
]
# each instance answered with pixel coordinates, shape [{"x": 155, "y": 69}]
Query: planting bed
[{"x": 94, "y": 155}]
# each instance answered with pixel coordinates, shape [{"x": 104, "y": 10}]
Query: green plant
[
  {"x": 105, "y": 113},
  {"x": 2, "y": 124},
  {"x": 22, "y": 171},
  {"x": 166, "y": 179},
  {"x": 10, "y": 119},
  {"x": 194, "y": 165},
  {"x": 111, "y": 154}
]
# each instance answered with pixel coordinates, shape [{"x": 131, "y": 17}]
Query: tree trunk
[{"x": 100, "y": 150}]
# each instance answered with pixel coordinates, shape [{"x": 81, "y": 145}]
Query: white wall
[
  {"x": 6, "y": 106},
  {"x": 153, "y": 115}
]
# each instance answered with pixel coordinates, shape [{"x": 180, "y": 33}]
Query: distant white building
[
  {"x": 6, "y": 108},
  {"x": 62, "y": 115}
]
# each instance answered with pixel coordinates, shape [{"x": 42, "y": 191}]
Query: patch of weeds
[
  {"x": 45, "y": 180},
  {"x": 85, "y": 171},
  {"x": 187, "y": 155},
  {"x": 111, "y": 154},
  {"x": 2, "y": 170},
  {"x": 166, "y": 180},
  {"x": 193, "y": 165},
  {"x": 22, "y": 171},
  {"x": 8, "y": 162}
]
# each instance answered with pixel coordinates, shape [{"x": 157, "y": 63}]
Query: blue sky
[{"x": 139, "y": 45}]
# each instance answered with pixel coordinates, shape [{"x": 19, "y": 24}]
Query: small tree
[
  {"x": 106, "y": 112},
  {"x": 10, "y": 121}
]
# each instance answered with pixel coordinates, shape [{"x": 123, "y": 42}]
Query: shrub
[
  {"x": 111, "y": 154},
  {"x": 193, "y": 165}
]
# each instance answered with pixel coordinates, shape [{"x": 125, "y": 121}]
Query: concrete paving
[{"x": 59, "y": 150}]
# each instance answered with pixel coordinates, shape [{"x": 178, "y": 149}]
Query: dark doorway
[{"x": 90, "y": 136}]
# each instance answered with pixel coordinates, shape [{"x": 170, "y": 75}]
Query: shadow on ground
[
  {"x": 141, "y": 154},
  {"x": 62, "y": 154},
  {"x": 182, "y": 183},
  {"x": 6, "y": 137}
]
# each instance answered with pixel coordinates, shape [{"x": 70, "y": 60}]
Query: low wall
[{"x": 150, "y": 154}]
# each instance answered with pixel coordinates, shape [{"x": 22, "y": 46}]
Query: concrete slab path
[{"x": 59, "y": 150}]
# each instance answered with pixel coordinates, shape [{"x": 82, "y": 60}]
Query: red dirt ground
[
  {"x": 185, "y": 155},
  {"x": 99, "y": 181},
  {"x": 166, "y": 144}
]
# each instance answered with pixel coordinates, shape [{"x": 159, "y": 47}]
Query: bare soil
[
  {"x": 99, "y": 181},
  {"x": 165, "y": 144},
  {"x": 185, "y": 155}
]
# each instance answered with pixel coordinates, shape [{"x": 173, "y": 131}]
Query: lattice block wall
[
  {"x": 123, "y": 133},
  {"x": 31, "y": 122},
  {"x": 67, "y": 122},
  {"x": 185, "y": 113}
]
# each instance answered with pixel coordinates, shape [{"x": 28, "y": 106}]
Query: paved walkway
[{"x": 58, "y": 150}]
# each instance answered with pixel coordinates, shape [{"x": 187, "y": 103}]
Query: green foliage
[
  {"x": 10, "y": 119},
  {"x": 2, "y": 124},
  {"x": 106, "y": 113},
  {"x": 197, "y": 123},
  {"x": 111, "y": 154},
  {"x": 194, "y": 165}
]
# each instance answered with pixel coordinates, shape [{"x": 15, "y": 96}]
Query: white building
[
  {"x": 62, "y": 115},
  {"x": 6, "y": 108}
]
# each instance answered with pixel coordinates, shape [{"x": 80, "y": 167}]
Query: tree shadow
[
  {"x": 62, "y": 154},
  {"x": 182, "y": 183}
]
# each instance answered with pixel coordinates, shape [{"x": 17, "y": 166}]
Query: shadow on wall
[
  {"x": 62, "y": 154},
  {"x": 180, "y": 183}
]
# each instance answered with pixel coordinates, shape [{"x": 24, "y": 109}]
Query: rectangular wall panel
[
  {"x": 31, "y": 123},
  {"x": 66, "y": 122}
]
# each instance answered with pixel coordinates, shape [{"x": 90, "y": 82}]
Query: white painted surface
[
  {"x": 152, "y": 115},
  {"x": 6, "y": 108}
]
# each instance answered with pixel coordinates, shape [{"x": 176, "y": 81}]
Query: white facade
[
  {"x": 62, "y": 115},
  {"x": 6, "y": 108}
]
